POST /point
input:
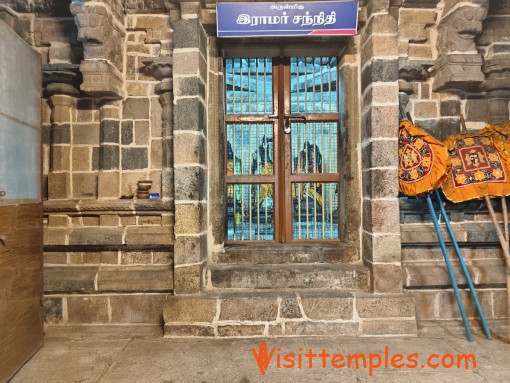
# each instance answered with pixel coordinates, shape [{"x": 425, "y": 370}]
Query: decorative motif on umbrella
[
  {"x": 422, "y": 160},
  {"x": 478, "y": 165}
]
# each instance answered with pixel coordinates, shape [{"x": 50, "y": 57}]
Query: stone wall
[
  {"x": 444, "y": 55},
  {"x": 107, "y": 261},
  {"x": 133, "y": 91}
]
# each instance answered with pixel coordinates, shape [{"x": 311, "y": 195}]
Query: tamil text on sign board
[{"x": 287, "y": 19}]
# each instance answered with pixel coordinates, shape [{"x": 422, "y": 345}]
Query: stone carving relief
[
  {"x": 458, "y": 29},
  {"x": 100, "y": 33},
  {"x": 458, "y": 66},
  {"x": 101, "y": 30}
]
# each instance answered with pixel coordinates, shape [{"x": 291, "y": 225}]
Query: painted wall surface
[{"x": 21, "y": 279}]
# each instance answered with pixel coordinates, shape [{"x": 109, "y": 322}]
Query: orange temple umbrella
[
  {"x": 422, "y": 160},
  {"x": 480, "y": 168}
]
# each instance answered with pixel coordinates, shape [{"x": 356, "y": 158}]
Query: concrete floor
[{"x": 102, "y": 358}]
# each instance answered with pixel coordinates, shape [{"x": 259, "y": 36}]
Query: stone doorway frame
[
  {"x": 350, "y": 133},
  {"x": 369, "y": 70}
]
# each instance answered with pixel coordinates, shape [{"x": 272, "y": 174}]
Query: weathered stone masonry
[{"x": 133, "y": 90}]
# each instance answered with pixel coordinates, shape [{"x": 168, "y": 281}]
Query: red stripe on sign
[{"x": 350, "y": 32}]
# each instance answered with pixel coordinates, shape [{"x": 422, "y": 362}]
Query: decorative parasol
[
  {"x": 480, "y": 168},
  {"x": 422, "y": 160},
  {"x": 479, "y": 165},
  {"x": 422, "y": 168}
]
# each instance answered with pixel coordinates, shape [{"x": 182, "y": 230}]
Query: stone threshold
[
  {"x": 289, "y": 314},
  {"x": 346, "y": 277},
  {"x": 278, "y": 253}
]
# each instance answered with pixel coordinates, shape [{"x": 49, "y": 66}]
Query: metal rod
[
  {"x": 329, "y": 87},
  {"x": 233, "y": 86},
  {"x": 464, "y": 268},
  {"x": 315, "y": 170},
  {"x": 265, "y": 87},
  {"x": 314, "y": 106},
  {"x": 298, "y": 85},
  {"x": 257, "y": 86},
  {"x": 306, "y": 86},
  {"x": 323, "y": 187},
  {"x": 449, "y": 267},
  {"x": 249, "y": 86},
  {"x": 322, "y": 85}
]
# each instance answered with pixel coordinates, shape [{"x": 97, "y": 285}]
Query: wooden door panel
[{"x": 21, "y": 284}]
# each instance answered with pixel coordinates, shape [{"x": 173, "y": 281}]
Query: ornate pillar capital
[{"x": 61, "y": 79}]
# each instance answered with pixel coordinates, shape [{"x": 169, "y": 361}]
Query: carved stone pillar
[
  {"x": 101, "y": 29},
  {"x": 60, "y": 82},
  {"x": 458, "y": 67},
  {"x": 161, "y": 69},
  {"x": 109, "y": 150},
  {"x": 496, "y": 65}
]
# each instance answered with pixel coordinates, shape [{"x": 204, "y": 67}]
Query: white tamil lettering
[{"x": 331, "y": 18}]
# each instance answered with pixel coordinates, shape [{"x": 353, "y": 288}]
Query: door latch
[
  {"x": 3, "y": 238},
  {"x": 288, "y": 119},
  {"x": 2, "y": 193}
]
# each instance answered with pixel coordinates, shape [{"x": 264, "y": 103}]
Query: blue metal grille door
[{"x": 282, "y": 169}]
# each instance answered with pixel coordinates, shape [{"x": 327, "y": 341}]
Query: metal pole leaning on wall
[
  {"x": 450, "y": 269},
  {"x": 469, "y": 334},
  {"x": 464, "y": 268}
]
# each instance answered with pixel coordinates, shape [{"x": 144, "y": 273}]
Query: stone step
[
  {"x": 281, "y": 253},
  {"x": 281, "y": 277},
  {"x": 283, "y": 314}
]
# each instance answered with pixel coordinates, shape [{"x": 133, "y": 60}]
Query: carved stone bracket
[
  {"x": 101, "y": 29},
  {"x": 458, "y": 67},
  {"x": 457, "y": 72}
]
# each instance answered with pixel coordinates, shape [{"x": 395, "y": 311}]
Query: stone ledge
[
  {"x": 133, "y": 309},
  {"x": 434, "y": 273},
  {"x": 465, "y": 233},
  {"x": 106, "y": 206},
  {"x": 100, "y": 279}
]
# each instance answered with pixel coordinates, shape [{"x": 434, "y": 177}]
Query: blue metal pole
[
  {"x": 464, "y": 268},
  {"x": 449, "y": 267}
]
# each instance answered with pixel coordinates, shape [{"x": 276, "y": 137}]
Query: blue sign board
[{"x": 287, "y": 19}]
